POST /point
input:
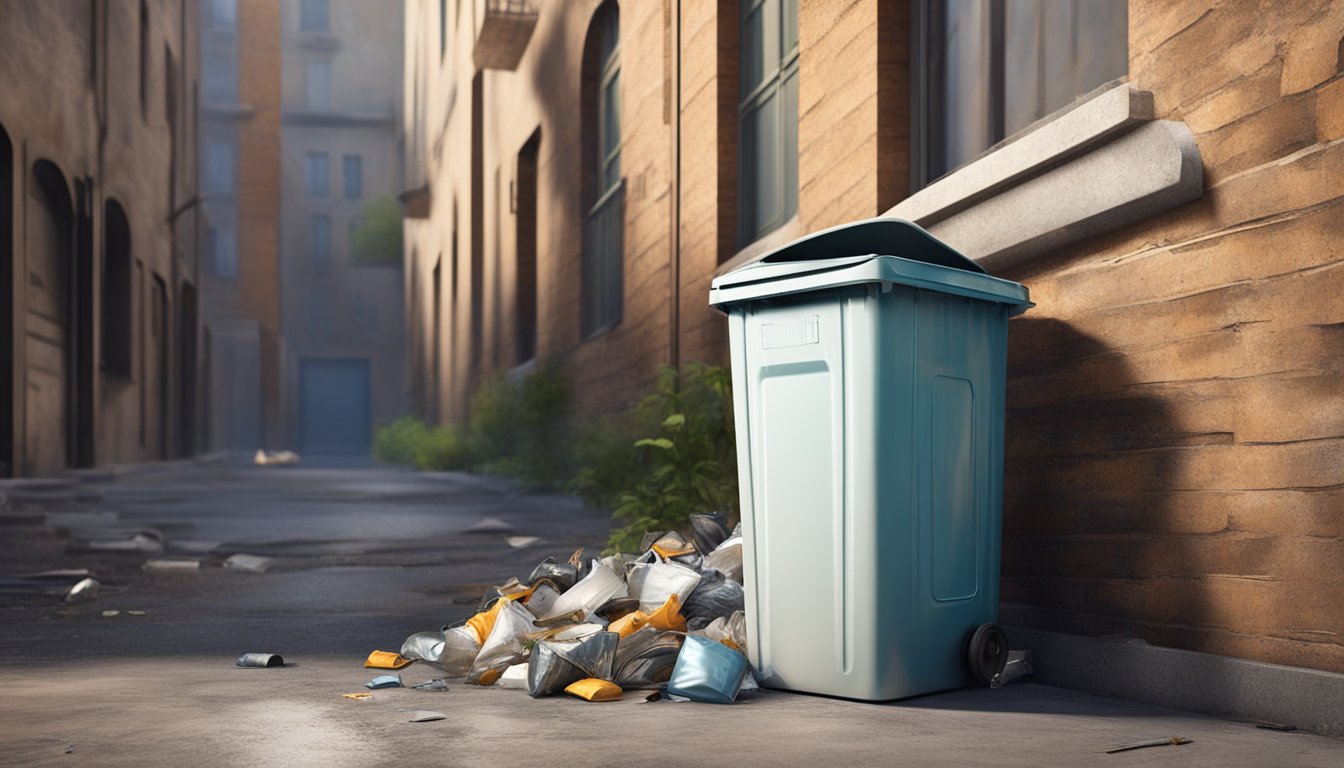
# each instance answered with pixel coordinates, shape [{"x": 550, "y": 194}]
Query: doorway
[{"x": 334, "y": 408}]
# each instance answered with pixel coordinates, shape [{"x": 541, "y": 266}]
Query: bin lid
[{"x": 882, "y": 250}]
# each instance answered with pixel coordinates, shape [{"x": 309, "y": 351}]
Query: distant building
[
  {"x": 98, "y": 234},
  {"x": 1165, "y": 178},
  {"x": 300, "y": 139},
  {"x": 344, "y": 330},
  {"x": 241, "y": 180}
]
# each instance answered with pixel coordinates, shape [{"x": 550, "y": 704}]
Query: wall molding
[{"x": 1100, "y": 166}]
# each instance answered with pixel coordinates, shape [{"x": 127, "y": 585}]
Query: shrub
[
  {"x": 522, "y": 427},
  {"x": 397, "y": 442},
  {"x": 442, "y": 448},
  {"x": 683, "y": 462}
]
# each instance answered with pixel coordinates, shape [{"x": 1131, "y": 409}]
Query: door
[
  {"x": 334, "y": 409},
  {"x": 48, "y": 324}
]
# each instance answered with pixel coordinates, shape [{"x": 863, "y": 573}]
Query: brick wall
[{"x": 1176, "y": 413}]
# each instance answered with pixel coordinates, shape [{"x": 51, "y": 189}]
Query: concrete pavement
[{"x": 366, "y": 556}]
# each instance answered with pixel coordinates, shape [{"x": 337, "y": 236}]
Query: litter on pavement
[
  {"x": 1171, "y": 741},
  {"x": 425, "y": 716},
  {"x": 384, "y": 681},
  {"x": 261, "y": 660},
  {"x": 437, "y": 684},
  {"x": 595, "y": 629},
  {"x": 251, "y": 563},
  {"x": 274, "y": 458},
  {"x": 386, "y": 660},
  {"x": 362, "y": 696}
]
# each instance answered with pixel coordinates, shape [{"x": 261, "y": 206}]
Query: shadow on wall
[{"x": 1097, "y": 535}]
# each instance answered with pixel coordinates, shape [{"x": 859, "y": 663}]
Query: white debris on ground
[
  {"x": 274, "y": 458},
  {"x": 670, "y": 620}
]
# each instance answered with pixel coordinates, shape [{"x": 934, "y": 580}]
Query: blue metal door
[{"x": 334, "y": 405}]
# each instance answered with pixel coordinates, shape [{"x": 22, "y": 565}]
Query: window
[
  {"x": 316, "y": 174},
  {"x": 319, "y": 85},
  {"x": 603, "y": 234},
  {"x": 223, "y": 251},
  {"x": 313, "y": 16},
  {"x": 319, "y": 242},
  {"x": 221, "y": 14},
  {"x": 219, "y": 69},
  {"x": 353, "y": 176},
  {"x": 767, "y": 132},
  {"x": 525, "y": 273},
  {"x": 117, "y": 314},
  {"x": 989, "y": 69},
  {"x": 220, "y": 165}
]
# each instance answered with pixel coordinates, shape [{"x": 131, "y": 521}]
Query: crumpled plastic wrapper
[
  {"x": 653, "y": 583},
  {"x": 727, "y": 558},
  {"x": 646, "y": 658},
  {"x": 715, "y": 596},
  {"x": 556, "y": 665},
  {"x": 708, "y": 671},
  {"x": 708, "y": 531},
  {"x": 507, "y": 642},
  {"x": 592, "y": 592}
]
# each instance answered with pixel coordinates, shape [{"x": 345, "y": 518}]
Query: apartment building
[
  {"x": 98, "y": 234},
  {"x": 300, "y": 139},
  {"x": 1164, "y": 177}
]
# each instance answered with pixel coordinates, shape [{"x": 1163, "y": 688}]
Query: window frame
[
  {"x": 602, "y": 260},
  {"x": 773, "y": 84},
  {"x": 928, "y": 141},
  {"x": 312, "y": 104},
  {"x": 309, "y": 10},
  {"x": 317, "y": 183}
]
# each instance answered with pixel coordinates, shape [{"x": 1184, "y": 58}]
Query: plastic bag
[
  {"x": 425, "y": 646},
  {"x": 729, "y": 630},
  {"x": 716, "y": 596},
  {"x": 707, "y": 671},
  {"x": 591, "y": 593},
  {"x": 708, "y": 531},
  {"x": 506, "y": 644},
  {"x": 459, "y": 651},
  {"x": 555, "y": 665},
  {"x": 653, "y": 583},
  {"x": 646, "y": 658},
  {"x": 727, "y": 558},
  {"x": 563, "y": 575}
]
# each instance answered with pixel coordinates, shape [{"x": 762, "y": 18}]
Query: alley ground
[{"x": 363, "y": 557}]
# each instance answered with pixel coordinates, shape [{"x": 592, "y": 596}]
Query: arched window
[
  {"x": 604, "y": 188},
  {"x": 116, "y": 342},
  {"x": 767, "y": 135}
]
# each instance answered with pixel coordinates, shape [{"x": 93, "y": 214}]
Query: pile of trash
[{"x": 670, "y": 619}]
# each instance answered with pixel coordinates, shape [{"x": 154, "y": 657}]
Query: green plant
[
  {"x": 377, "y": 240},
  {"x": 442, "y": 447},
  {"x": 521, "y": 427},
  {"x": 684, "y": 462},
  {"x": 397, "y": 442}
]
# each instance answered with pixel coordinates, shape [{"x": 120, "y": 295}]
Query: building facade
[
  {"x": 98, "y": 234},
  {"x": 300, "y": 147},
  {"x": 344, "y": 349},
  {"x": 1164, "y": 177},
  {"x": 240, "y": 179}
]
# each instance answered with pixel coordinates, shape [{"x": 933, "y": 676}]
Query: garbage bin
[{"x": 868, "y": 366}]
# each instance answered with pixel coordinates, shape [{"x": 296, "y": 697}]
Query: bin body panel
[{"x": 869, "y": 428}]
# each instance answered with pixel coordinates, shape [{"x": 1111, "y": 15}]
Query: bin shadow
[{"x": 1097, "y": 537}]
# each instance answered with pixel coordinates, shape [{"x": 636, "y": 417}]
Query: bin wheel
[{"x": 986, "y": 653}]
